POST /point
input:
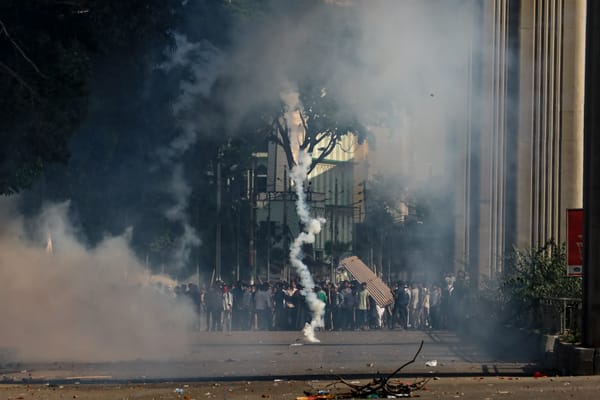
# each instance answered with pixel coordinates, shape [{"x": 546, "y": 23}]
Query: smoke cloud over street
[
  {"x": 79, "y": 303},
  {"x": 402, "y": 69}
]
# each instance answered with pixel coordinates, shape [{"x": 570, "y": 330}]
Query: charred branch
[{"x": 381, "y": 387}]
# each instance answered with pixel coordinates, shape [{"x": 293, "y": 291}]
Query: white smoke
[
  {"x": 79, "y": 303},
  {"x": 312, "y": 227},
  {"x": 200, "y": 64},
  {"x": 293, "y": 108},
  {"x": 184, "y": 243},
  {"x": 202, "y": 61}
]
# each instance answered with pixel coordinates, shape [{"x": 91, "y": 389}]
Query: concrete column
[
  {"x": 525, "y": 156},
  {"x": 591, "y": 180},
  {"x": 573, "y": 72},
  {"x": 492, "y": 139},
  {"x": 549, "y": 159},
  {"x": 463, "y": 140}
]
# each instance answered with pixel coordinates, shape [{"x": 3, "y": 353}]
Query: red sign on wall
[{"x": 575, "y": 242}]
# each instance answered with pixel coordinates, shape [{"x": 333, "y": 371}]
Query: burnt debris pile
[{"x": 379, "y": 387}]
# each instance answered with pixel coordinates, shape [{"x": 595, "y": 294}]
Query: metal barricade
[{"x": 561, "y": 315}]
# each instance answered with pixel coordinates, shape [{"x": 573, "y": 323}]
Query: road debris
[
  {"x": 432, "y": 363},
  {"x": 377, "y": 388}
]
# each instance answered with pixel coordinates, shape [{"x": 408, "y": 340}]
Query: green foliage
[
  {"x": 48, "y": 52},
  {"x": 530, "y": 276},
  {"x": 325, "y": 121}
]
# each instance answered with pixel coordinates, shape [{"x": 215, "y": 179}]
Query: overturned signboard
[{"x": 379, "y": 291}]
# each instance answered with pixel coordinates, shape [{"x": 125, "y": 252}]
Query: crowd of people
[{"x": 348, "y": 305}]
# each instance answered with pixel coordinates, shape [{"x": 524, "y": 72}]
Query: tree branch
[
  {"x": 18, "y": 78},
  {"x": 5, "y": 31},
  {"x": 286, "y": 145},
  {"x": 333, "y": 140},
  {"x": 319, "y": 137},
  {"x": 385, "y": 380},
  {"x": 307, "y": 137}
]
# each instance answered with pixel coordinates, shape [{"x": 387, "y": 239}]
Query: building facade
[
  {"x": 524, "y": 165},
  {"x": 333, "y": 192}
]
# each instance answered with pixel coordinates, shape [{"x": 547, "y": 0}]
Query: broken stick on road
[{"x": 380, "y": 387}]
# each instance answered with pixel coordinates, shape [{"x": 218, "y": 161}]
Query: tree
[
  {"x": 324, "y": 122},
  {"x": 379, "y": 233},
  {"x": 48, "y": 51},
  {"x": 532, "y": 275}
]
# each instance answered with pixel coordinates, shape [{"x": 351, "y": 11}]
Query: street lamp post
[
  {"x": 252, "y": 243},
  {"x": 218, "y": 233},
  {"x": 268, "y": 236},
  {"x": 237, "y": 241},
  {"x": 332, "y": 266}
]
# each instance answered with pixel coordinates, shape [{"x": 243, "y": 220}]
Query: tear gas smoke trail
[
  {"x": 188, "y": 239},
  {"x": 312, "y": 226},
  {"x": 199, "y": 64}
]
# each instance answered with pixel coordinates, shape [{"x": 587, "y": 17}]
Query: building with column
[
  {"x": 524, "y": 164},
  {"x": 333, "y": 191},
  {"x": 512, "y": 131}
]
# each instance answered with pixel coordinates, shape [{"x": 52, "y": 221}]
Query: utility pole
[
  {"x": 252, "y": 245},
  {"x": 218, "y": 233},
  {"x": 334, "y": 228},
  {"x": 286, "y": 243},
  {"x": 332, "y": 268},
  {"x": 269, "y": 236},
  {"x": 237, "y": 239}
]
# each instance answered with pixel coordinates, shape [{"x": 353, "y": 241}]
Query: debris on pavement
[
  {"x": 432, "y": 363},
  {"x": 377, "y": 388}
]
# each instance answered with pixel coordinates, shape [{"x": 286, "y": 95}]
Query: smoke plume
[
  {"x": 199, "y": 64},
  {"x": 312, "y": 227},
  {"x": 77, "y": 303}
]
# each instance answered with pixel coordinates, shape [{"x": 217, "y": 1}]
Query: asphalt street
[{"x": 269, "y": 356}]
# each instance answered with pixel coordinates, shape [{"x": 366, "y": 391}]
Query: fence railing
[{"x": 562, "y": 315}]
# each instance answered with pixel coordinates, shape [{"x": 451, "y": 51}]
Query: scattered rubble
[{"x": 378, "y": 388}]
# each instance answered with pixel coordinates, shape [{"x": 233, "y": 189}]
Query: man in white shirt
[{"x": 227, "y": 307}]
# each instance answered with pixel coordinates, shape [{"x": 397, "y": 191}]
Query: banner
[{"x": 575, "y": 242}]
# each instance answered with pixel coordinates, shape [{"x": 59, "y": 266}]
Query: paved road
[
  {"x": 490, "y": 388},
  {"x": 274, "y": 355}
]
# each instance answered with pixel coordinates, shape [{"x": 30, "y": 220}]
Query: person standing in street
[
  {"x": 403, "y": 304},
  {"x": 227, "y": 309},
  {"x": 263, "y": 305},
  {"x": 362, "y": 307},
  {"x": 214, "y": 306}
]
